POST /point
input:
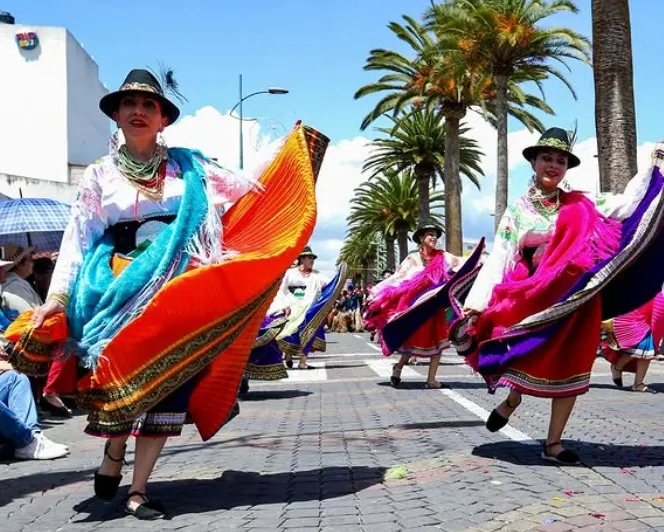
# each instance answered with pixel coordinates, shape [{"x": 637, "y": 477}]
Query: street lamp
[{"x": 269, "y": 90}]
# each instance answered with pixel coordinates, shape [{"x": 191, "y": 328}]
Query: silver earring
[{"x": 114, "y": 144}]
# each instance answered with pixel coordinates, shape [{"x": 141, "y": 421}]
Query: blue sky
[{"x": 316, "y": 50}]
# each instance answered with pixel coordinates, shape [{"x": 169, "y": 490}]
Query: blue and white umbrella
[{"x": 36, "y": 222}]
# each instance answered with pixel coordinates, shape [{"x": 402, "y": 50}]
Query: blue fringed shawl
[{"x": 100, "y": 304}]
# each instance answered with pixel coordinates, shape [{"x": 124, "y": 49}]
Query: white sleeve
[
  {"x": 621, "y": 206},
  {"x": 403, "y": 271},
  {"x": 87, "y": 224},
  {"x": 496, "y": 265}
]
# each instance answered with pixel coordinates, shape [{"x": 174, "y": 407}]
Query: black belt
[
  {"x": 124, "y": 233},
  {"x": 293, "y": 288}
]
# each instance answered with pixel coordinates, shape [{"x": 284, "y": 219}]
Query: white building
[{"x": 50, "y": 123}]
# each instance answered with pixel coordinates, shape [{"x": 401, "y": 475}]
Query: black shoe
[
  {"x": 618, "y": 381},
  {"x": 148, "y": 511},
  {"x": 564, "y": 457},
  {"x": 395, "y": 379},
  {"x": 55, "y": 411},
  {"x": 289, "y": 364},
  {"x": 244, "y": 387},
  {"x": 495, "y": 421},
  {"x": 106, "y": 486}
]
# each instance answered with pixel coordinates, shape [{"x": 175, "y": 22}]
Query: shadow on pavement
[
  {"x": 267, "y": 395},
  {"x": 592, "y": 454},
  {"x": 241, "y": 488},
  {"x": 656, "y": 386},
  {"x": 450, "y": 424}
]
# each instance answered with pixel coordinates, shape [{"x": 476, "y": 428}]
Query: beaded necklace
[
  {"x": 147, "y": 177},
  {"x": 546, "y": 203}
]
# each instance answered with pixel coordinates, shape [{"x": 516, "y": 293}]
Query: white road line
[
  {"x": 383, "y": 368},
  {"x": 316, "y": 356},
  {"x": 308, "y": 375},
  {"x": 476, "y": 409},
  {"x": 358, "y": 337},
  {"x": 373, "y": 346}
]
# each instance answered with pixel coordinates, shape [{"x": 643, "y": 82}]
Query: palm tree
[
  {"x": 439, "y": 76},
  {"x": 504, "y": 38},
  {"x": 389, "y": 204},
  {"x": 417, "y": 142},
  {"x": 614, "y": 93},
  {"x": 359, "y": 253}
]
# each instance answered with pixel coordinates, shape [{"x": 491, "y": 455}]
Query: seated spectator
[
  {"x": 21, "y": 269},
  {"x": 18, "y": 419}
]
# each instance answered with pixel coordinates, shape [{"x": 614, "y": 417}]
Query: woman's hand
[
  {"x": 286, "y": 311},
  {"x": 470, "y": 313},
  {"x": 47, "y": 309}
]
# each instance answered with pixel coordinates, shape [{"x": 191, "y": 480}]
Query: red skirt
[
  {"x": 562, "y": 366},
  {"x": 430, "y": 339}
]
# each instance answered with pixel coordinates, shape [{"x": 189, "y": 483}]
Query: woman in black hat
[
  {"x": 307, "y": 295},
  {"x": 427, "y": 336},
  {"x": 535, "y": 308},
  {"x": 144, "y": 216}
]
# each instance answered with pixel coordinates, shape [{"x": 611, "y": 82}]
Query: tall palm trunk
[
  {"x": 369, "y": 272},
  {"x": 501, "y": 161},
  {"x": 402, "y": 241},
  {"x": 453, "y": 230},
  {"x": 391, "y": 253},
  {"x": 423, "y": 176},
  {"x": 614, "y": 93}
]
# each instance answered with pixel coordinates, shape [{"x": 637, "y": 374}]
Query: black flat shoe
[
  {"x": 497, "y": 421},
  {"x": 289, "y": 364},
  {"x": 148, "y": 511},
  {"x": 106, "y": 486},
  {"x": 564, "y": 457},
  {"x": 55, "y": 411},
  {"x": 244, "y": 387},
  {"x": 395, "y": 379},
  {"x": 618, "y": 381}
]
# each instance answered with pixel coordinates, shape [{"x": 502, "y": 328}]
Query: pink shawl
[
  {"x": 394, "y": 299},
  {"x": 582, "y": 238}
]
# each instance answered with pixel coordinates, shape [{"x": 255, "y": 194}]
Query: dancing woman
[
  {"x": 631, "y": 342},
  {"x": 409, "y": 329},
  {"x": 148, "y": 293},
  {"x": 561, "y": 262}
]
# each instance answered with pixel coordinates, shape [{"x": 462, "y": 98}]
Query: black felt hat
[
  {"x": 306, "y": 252},
  {"x": 424, "y": 228},
  {"x": 553, "y": 138},
  {"x": 143, "y": 81}
]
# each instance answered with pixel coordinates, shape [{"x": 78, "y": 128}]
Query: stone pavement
[{"x": 338, "y": 449}]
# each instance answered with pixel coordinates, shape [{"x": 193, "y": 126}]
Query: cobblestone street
[{"x": 336, "y": 448}]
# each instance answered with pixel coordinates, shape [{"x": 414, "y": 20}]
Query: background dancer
[{"x": 630, "y": 342}]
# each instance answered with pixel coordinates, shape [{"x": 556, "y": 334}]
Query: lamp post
[{"x": 269, "y": 90}]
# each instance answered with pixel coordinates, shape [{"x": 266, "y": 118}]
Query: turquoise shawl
[{"x": 100, "y": 304}]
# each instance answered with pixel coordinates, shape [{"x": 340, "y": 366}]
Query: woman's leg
[
  {"x": 147, "y": 452},
  {"x": 434, "y": 362},
  {"x": 509, "y": 405},
  {"x": 112, "y": 465},
  {"x": 561, "y": 408},
  {"x": 642, "y": 366}
]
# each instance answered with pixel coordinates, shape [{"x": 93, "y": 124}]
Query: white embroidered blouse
[
  {"x": 106, "y": 197},
  {"x": 523, "y": 226}
]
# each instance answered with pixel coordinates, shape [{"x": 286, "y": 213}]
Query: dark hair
[{"x": 43, "y": 265}]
